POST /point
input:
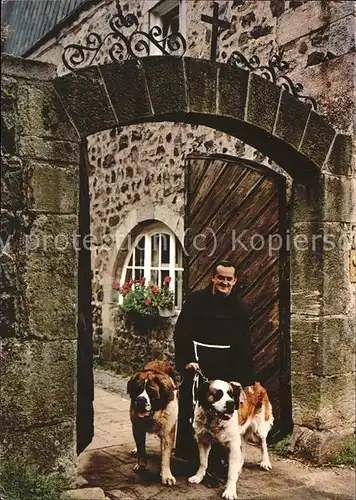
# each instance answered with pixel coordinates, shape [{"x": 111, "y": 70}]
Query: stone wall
[
  {"x": 152, "y": 339},
  {"x": 38, "y": 286}
]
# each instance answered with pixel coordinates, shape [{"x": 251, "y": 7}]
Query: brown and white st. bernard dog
[
  {"x": 154, "y": 409},
  {"x": 229, "y": 415}
]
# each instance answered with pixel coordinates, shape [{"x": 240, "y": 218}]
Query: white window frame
[
  {"x": 161, "y": 9},
  {"x": 147, "y": 233}
]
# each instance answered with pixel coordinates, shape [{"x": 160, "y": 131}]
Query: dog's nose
[
  {"x": 230, "y": 406},
  {"x": 142, "y": 403}
]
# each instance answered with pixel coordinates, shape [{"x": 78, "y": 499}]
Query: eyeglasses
[{"x": 219, "y": 277}]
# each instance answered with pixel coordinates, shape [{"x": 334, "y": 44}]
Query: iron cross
[{"x": 216, "y": 23}]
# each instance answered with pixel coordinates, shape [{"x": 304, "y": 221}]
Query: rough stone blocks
[
  {"x": 53, "y": 189},
  {"x": 340, "y": 161},
  {"x": 262, "y": 102},
  {"x": 32, "y": 147},
  {"x": 315, "y": 405},
  {"x": 232, "y": 91},
  {"x": 339, "y": 198},
  {"x": 321, "y": 346},
  {"x": 317, "y": 140},
  {"x": 201, "y": 86},
  {"x": 166, "y": 84},
  {"x": 27, "y": 69},
  {"x": 84, "y": 93},
  {"x": 292, "y": 118},
  {"x": 317, "y": 446},
  {"x": 127, "y": 88},
  {"x": 40, "y": 382},
  {"x": 51, "y": 277},
  {"x": 42, "y": 112},
  {"x": 51, "y": 447}
]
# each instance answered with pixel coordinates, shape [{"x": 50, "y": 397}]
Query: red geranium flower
[
  {"x": 167, "y": 279},
  {"x": 142, "y": 281},
  {"x": 148, "y": 302},
  {"x": 155, "y": 289},
  {"x": 116, "y": 286}
]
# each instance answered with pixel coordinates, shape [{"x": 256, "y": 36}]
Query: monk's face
[{"x": 223, "y": 280}]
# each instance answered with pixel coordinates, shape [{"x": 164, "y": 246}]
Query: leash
[{"x": 198, "y": 374}]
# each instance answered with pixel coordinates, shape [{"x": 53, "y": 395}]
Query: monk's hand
[{"x": 192, "y": 366}]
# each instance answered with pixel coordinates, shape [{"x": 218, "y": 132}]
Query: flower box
[
  {"x": 166, "y": 313},
  {"x": 144, "y": 302}
]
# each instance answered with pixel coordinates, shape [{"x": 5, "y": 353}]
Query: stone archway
[
  {"x": 54, "y": 114},
  {"x": 267, "y": 117},
  {"x": 277, "y": 124}
]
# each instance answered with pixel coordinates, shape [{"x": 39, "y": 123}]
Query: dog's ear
[
  {"x": 258, "y": 387},
  {"x": 239, "y": 395},
  {"x": 131, "y": 384},
  {"x": 166, "y": 388},
  {"x": 259, "y": 395},
  {"x": 203, "y": 393}
]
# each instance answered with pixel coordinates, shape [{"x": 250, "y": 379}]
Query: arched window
[{"x": 156, "y": 253}]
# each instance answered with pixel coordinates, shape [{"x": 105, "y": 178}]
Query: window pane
[
  {"x": 163, "y": 275},
  {"x": 130, "y": 261},
  {"x": 140, "y": 252},
  {"x": 154, "y": 278},
  {"x": 165, "y": 250},
  {"x": 138, "y": 274},
  {"x": 170, "y": 22},
  {"x": 179, "y": 253},
  {"x": 174, "y": 27},
  {"x": 155, "y": 250},
  {"x": 128, "y": 274},
  {"x": 178, "y": 292}
]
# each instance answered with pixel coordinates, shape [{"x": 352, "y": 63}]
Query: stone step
[{"x": 85, "y": 494}]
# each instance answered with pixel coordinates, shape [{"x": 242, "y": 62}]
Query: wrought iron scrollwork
[
  {"x": 274, "y": 71},
  {"x": 133, "y": 45}
]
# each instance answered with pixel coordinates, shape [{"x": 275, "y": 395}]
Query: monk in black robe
[{"x": 212, "y": 334}]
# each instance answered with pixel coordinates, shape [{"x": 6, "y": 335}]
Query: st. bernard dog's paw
[
  {"x": 230, "y": 492},
  {"x": 168, "y": 479},
  {"x": 196, "y": 479},
  {"x": 266, "y": 465}
]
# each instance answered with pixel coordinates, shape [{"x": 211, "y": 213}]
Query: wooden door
[{"x": 233, "y": 207}]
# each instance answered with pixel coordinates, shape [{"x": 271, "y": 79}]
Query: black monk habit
[{"x": 221, "y": 324}]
